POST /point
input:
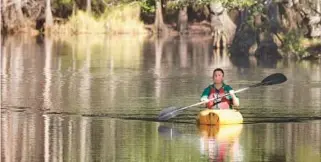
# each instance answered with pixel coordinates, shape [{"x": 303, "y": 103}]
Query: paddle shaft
[{"x": 203, "y": 102}]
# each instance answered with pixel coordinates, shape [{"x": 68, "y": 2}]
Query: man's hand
[
  {"x": 232, "y": 93},
  {"x": 236, "y": 101},
  {"x": 204, "y": 99}
]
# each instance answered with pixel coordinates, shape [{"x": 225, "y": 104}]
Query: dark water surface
[{"x": 95, "y": 98}]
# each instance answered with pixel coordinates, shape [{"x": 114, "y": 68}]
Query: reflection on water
[
  {"x": 34, "y": 137},
  {"x": 221, "y": 143},
  {"x": 58, "y": 96},
  {"x": 117, "y": 75},
  {"x": 21, "y": 136}
]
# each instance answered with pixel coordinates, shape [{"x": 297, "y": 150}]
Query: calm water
[{"x": 95, "y": 98}]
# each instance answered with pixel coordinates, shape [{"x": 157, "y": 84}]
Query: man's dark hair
[{"x": 218, "y": 69}]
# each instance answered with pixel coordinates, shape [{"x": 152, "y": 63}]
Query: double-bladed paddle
[{"x": 272, "y": 79}]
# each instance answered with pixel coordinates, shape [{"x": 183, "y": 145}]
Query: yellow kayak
[{"x": 219, "y": 117}]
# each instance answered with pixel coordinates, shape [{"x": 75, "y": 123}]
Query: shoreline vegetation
[
  {"x": 121, "y": 19},
  {"x": 261, "y": 28}
]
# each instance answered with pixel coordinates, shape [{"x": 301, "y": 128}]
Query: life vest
[{"x": 222, "y": 103}]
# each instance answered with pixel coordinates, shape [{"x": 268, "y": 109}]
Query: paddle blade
[
  {"x": 272, "y": 79},
  {"x": 168, "y": 113}
]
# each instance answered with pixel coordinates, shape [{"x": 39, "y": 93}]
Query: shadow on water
[
  {"x": 188, "y": 119},
  {"x": 253, "y": 62},
  {"x": 138, "y": 117},
  {"x": 167, "y": 131}
]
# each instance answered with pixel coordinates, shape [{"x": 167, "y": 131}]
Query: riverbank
[
  {"x": 122, "y": 19},
  {"x": 244, "y": 32},
  {"x": 117, "y": 20}
]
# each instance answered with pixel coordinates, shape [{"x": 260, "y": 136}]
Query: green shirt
[{"x": 226, "y": 88}]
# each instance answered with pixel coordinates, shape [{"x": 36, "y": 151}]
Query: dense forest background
[{"x": 273, "y": 28}]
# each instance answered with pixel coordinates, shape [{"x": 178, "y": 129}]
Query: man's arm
[
  {"x": 236, "y": 101},
  {"x": 205, "y": 94},
  {"x": 232, "y": 96}
]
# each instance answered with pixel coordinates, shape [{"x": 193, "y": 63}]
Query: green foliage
[
  {"x": 229, "y": 3},
  {"x": 147, "y": 6},
  {"x": 256, "y": 9},
  {"x": 292, "y": 42},
  {"x": 62, "y": 3},
  {"x": 256, "y": 6},
  {"x": 124, "y": 18},
  {"x": 83, "y": 22},
  {"x": 62, "y": 8},
  {"x": 295, "y": 42},
  {"x": 65, "y": 1},
  {"x": 237, "y": 3},
  {"x": 177, "y": 4},
  {"x": 120, "y": 19}
]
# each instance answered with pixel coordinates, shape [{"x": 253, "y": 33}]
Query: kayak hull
[{"x": 219, "y": 117}]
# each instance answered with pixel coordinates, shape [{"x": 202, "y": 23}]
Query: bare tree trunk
[
  {"x": 1, "y": 24},
  {"x": 223, "y": 28},
  {"x": 159, "y": 22},
  {"x": 182, "y": 20},
  {"x": 290, "y": 16},
  {"x": 18, "y": 7},
  {"x": 74, "y": 8},
  {"x": 4, "y": 16},
  {"x": 315, "y": 20},
  {"x": 49, "y": 19},
  {"x": 88, "y": 8}
]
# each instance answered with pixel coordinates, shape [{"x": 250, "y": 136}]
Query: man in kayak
[{"x": 219, "y": 88}]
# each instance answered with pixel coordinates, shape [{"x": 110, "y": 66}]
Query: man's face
[{"x": 218, "y": 77}]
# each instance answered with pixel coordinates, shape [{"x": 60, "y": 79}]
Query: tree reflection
[
  {"x": 72, "y": 79},
  {"x": 56, "y": 137}
]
